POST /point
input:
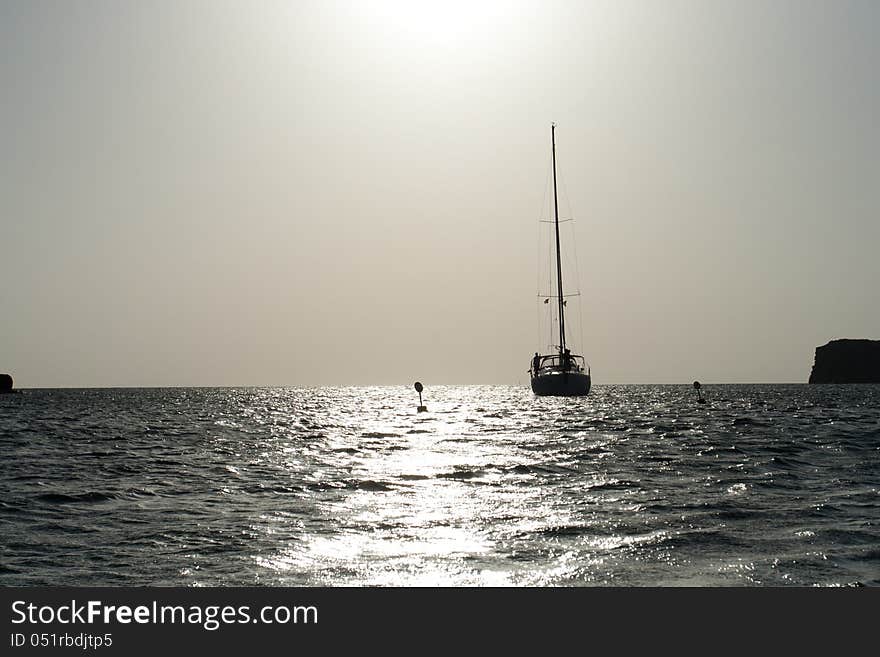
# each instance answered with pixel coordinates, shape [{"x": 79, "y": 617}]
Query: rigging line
[
  {"x": 538, "y": 268},
  {"x": 549, "y": 282},
  {"x": 577, "y": 268},
  {"x": 540, "y": 212},
  {"x": 549, "y": 315},
  {"x": 559, "y": 287},
  {"x": 564, "y": 191}
]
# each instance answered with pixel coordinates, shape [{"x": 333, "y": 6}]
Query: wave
[
  {"x": 790, "y": 462},
  {"x": 614, "y": 484},
  {"x": 543, "y": 468},
  {"x": 704, "y": 539},
  {"x": 463, "y": 474},
  {"x": 63, "y": 498},
  {"x": 370, "y": 485},
  {"x": 851, "y": 537},
  {"x": 563, "y": 531},
  {"x": 261, "y": 489}
]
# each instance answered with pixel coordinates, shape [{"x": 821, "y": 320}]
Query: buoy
[
  {"x": 418, "y": 386},
  {"x": 697, "y": 387}
]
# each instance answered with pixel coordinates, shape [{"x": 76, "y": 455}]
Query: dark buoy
[
  {"x": 418, "y": 386},
  {"x": 697, "y": 387}
]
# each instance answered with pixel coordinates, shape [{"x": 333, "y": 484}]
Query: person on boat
[
  {"x": 536, "y": 362},
  {"x": 566, "y": 360}
]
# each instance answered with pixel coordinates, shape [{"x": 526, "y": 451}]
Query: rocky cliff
[{"x": 847, "y": 361}]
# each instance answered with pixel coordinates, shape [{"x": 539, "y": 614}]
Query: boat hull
[{"x": 561, "y": 384}]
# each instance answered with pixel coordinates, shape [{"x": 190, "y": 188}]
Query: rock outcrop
[
  {"x": 5, "y": 383},
  {"x": 847, "y": 361}
]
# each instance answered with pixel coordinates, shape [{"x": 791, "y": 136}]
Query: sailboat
[{"x": 560, "y": 373}]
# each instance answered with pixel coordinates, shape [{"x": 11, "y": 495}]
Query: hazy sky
[{"x": 293, "y": 193}]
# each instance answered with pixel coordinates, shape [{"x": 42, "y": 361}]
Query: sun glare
[{"x": 438, "y": 24}]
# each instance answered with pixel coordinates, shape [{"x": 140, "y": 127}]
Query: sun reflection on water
[{"x": 416, "y": 499}]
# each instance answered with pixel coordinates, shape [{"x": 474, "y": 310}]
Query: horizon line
[{"x": 395, "y": 385}]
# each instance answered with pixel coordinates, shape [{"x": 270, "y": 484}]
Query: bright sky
[{"x": 313, "y": 193}]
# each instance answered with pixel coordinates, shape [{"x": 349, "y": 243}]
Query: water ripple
[{"x": 634, "y": 485}]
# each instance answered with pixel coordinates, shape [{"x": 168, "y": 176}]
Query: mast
[{"x": 558, "y": 257}]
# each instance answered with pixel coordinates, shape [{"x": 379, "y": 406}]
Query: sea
[{"x": 632, "y": 486}]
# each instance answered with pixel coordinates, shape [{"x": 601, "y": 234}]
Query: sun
[{"x": 444, "y": 24}]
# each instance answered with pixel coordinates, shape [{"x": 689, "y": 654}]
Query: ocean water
[{"x": 631, "y": 486}]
